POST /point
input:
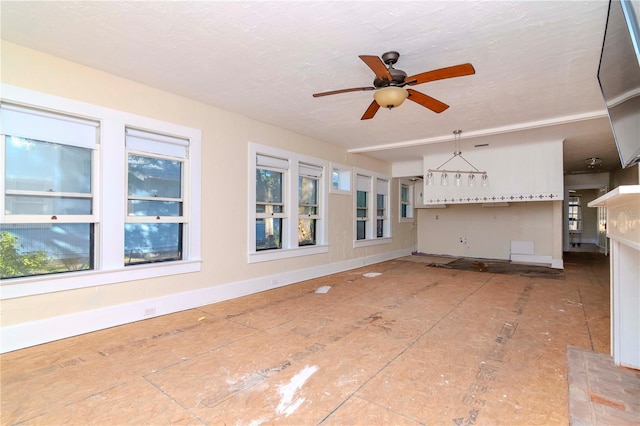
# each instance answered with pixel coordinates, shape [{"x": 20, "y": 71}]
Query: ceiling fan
[{"x": 389, "y": 84}]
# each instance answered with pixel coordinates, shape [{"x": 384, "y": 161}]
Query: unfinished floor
[{"x": 417, "y": 344}]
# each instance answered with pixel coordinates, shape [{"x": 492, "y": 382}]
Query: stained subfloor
[{"x": 417, "y": 344}]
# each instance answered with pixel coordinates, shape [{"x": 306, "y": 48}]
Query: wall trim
[
  {"x": 533, "y": 259},
  {"x": 487, "y": 132},
  {"x": 19, "y": 336}
]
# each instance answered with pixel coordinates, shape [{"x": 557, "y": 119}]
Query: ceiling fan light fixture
[{"x": 390, "y": 96}]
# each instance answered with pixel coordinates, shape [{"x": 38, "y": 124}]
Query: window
[
  {"x": 372, "y": 196},
  {"x": 155, "y": 203},
  {"x": 308, "y": 184},
  {"x": 48, "y": 219},
  {"x": 288, "y": 198},
  {"x": 406, "y": 201},
  {"x": 81, "y": 213},
  {"x": 362, "y": 206},
  {"x": 270, "y": 211},
  {"x": 340, "y": 179},
  {"x": 382, "y": 221},
  {"x": 575, "y": 213}
]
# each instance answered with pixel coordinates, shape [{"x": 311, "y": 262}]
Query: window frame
[
  {"x": 312, "y": 172},
  {"x": 290, "y": 241},
  {"x": 410, "y": 203},
  {"x": 344, "y": 179},
  {"x": 382, "y": 190},
  {"x": 180, "y": 219},
  {"x": 574, "y": 213},
  {"x": 110, "y": 198},
  {"x": 54, "y": 218},
  {"x": 283, "y": 214},
  {"x": 371, "y": 237}
]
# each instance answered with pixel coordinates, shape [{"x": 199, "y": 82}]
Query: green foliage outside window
[{"x": 16, "y": 264}]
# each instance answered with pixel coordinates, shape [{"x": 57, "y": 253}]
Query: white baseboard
[
  {"x": 14, "y": 337},
  {"x": 532, "y": 259}
]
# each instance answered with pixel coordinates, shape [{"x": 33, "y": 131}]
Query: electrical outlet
[{"x": 149, "y": 311}]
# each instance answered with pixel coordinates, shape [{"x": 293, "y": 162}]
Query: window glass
[
  {"x": 33, "y": 204},
  {"x": 361, "y": 204},
  {"x": 405, "y": 201},
  {"x": 306, "y": 232},
  {"x": 308, "y": 193},
  {"x": 575, "y": 213},
  {"x": 44, "y": 166},
  {"x": 361, "y": 213},
  {"x": 154, "y": 208},
  {"x": 268, "y": 233},
  {"x": 404, "y": 193},
  {"x": 152, "y": 242},
  {"x": 28, "y": 249},
  {"x": 268, "y": 186},
  {"x": 154, "y": 192},
  {"x": 307, "y": 210},
  {"x": 361, "y": 230},
  {"x": 340, "y": 179},
  {"x": 380, "y": 204},
  {"x": 154, "y": 177},
  {"x": 335, "y": 179},
  {"x": 53, "y": 181}
]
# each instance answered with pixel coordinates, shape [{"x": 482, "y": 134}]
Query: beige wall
[
  {"x": 487, "y": 232},
  {"x": 225, "y": 139},
  {"x": 628, "y": 176}
]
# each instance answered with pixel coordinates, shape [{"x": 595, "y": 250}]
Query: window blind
[
  {"x": 268, "y": 161},
  {"x": 310, "y": 170},
  {"x": 171, "y": 146},
  {"x": 383, "y": 187},
  {"x": 48, "y": 126},
  {"x": 363, "y": 183}
]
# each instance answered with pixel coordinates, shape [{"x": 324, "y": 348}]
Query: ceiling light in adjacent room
[{"x": 593, "y": 162}]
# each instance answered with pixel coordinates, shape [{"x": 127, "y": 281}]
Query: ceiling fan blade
[
  {"x": 439, "y": 74},
  {"x": 371, "y": 111},
  {"x": 335, "y": 92},
  {"x": 377, "y": 66},
  {"x": 427, "y": 101}
]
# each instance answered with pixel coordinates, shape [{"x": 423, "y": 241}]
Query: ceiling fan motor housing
[{"x": 397, "y": 76}]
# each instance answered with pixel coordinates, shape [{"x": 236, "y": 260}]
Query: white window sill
[
  {"x": 29, "y": 286},
  {"x": 371, "y": 242},
  {"x": 277, "y": 254},
  {"x": 406, "y": 220}
]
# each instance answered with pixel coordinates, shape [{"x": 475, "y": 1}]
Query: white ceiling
[{"x": 536, "y": 64}]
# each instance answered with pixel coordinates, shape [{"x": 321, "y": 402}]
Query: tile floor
[
  {"x": 601, "y": 393},
  {"x": 415, "y": 345}
]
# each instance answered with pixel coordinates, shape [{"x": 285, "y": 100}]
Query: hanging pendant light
[{"x": 471, "y": 179}]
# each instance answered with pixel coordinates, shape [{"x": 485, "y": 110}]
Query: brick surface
[{"x": 599, "y": 391}]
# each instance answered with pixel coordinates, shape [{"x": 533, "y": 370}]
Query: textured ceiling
[{"x": 536, "y": 63}]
